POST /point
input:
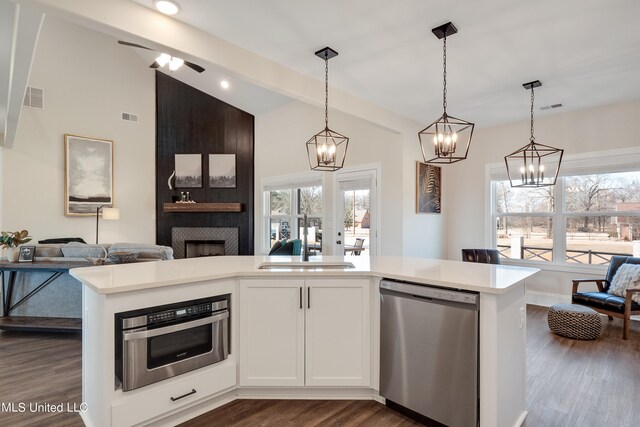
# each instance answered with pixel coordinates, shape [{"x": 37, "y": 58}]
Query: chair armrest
[
  {"x": 598, "y": 282},
  {"x": 633, "y": 291}
]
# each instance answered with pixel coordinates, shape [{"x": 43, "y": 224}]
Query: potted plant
[{"x": 11, "y": 240}]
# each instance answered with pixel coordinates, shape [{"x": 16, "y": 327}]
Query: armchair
[
  {"x": 484, "y": 256},
  {"x": 605, "y": 303}
]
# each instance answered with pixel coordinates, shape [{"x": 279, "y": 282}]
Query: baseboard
[
  {"x": 306, "y": 393},
  {"x": 546, "y": 299}
]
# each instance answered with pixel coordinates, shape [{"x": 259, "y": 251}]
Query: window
[
  {"x": 586, "y": 218},
  {"x": 285, "y": 210}
]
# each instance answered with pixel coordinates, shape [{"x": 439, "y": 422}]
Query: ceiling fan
[{"x": 165, "y": 59}]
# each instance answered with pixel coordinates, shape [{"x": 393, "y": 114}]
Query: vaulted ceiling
[{"x": 585, "y": 52}]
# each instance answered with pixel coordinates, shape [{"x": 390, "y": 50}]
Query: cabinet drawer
[{"x": 141, "y": 405}]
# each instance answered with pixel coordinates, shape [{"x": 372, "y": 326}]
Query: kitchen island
[{"x": 307, "y": 330}]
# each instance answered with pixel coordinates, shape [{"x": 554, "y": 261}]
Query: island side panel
[
  {"x": 97, "y": 352},
  {"x": 503, "y": 358}
]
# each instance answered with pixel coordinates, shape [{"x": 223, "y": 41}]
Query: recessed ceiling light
[
  {"x": 224, "y": 84},
  {"x": 167, "y": 7}
]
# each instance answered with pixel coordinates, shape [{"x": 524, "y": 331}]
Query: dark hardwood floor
[{"x": 569, "y": 383}]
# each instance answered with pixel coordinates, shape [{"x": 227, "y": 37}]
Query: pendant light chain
[
  {"x": 533, "y": 138},
  {"x": 326, "y": 91},
  {"x": 444, "y": 74}
]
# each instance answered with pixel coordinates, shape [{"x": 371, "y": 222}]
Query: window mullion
[{"x": 559, "y": 222}]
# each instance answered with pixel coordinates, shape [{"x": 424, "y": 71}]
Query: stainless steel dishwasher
[{"x": 429, "y": 353}]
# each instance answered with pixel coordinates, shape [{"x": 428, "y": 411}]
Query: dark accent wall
[{"x": 189, "y": 121}]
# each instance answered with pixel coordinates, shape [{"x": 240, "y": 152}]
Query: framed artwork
[
  {"x": 88, "y": 172},
  {"x": 222, "y": 170},
  {"x": 188, "y": 170},
  {"x": 428, "y": 186},
  {"x": 27, "y": 253}
]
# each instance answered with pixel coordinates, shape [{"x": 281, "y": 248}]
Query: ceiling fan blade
[
  {"x": 154, "y": 65},
  {"x": 193, "y": 66},
  {"x": 134, "y": 45}
]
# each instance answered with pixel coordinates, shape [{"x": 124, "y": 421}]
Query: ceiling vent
[
  {"x": 34, "y": 98},
  {"x": 129, "y": 117},
  {"x": 550, "y": 107}
]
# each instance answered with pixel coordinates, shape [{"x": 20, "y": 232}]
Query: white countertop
[{"x": 495, "y": 279}]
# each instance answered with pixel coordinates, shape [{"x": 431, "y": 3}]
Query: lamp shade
[{"x": 110, "y": 213}]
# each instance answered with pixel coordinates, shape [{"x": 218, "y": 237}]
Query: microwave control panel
[{"x": 168, "y": 315}]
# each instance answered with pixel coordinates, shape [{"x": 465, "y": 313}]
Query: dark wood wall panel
[{"x": 189, "y": 121}]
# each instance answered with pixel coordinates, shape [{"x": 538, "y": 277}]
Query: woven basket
[
  {"x": 123, "y": 257},
  {"x": 574, "y": 321}
]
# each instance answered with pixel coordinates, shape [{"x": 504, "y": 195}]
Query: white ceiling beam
[{"x": 27, "y": 22}]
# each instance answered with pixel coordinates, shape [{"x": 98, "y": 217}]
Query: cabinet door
[
  {"x": 338, "y": 332},
  {"x": 271, "y": 333}
]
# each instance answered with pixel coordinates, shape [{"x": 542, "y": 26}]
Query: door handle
[
  {"x": 300, "y": 297},
  {"x": 308, "y": 297},
  {"x": 339, "y": 242}
]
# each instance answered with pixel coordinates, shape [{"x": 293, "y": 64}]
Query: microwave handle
[{"x": 138, "y": 334}]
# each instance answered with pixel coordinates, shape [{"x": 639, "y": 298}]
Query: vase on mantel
[{"x": 13, "y": 254}]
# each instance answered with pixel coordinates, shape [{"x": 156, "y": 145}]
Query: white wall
[
  {"x": 88, "y": 80},
  {"x": 609, "y": 127}
]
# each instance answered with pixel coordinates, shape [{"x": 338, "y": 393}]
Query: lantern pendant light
[
  {"x": 327, "y": 149},
  {"x": 527, "y": 166},
  {"x": 448, "y": 136}
]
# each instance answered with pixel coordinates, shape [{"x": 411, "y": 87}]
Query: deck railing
[{"x": 573, "y": 255}]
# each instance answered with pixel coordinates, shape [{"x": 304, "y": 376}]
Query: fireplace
[
  {"x": 200, "y": 248},
  {"x": 191, "y": 242}
]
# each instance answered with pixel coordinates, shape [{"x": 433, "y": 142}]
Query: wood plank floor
[{"x": 569, "y": 383}]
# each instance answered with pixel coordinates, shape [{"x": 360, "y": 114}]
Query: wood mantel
[{"x": 203, "y": 207}]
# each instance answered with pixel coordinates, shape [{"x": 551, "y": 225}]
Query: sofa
[{"x": 63, "y": 297}]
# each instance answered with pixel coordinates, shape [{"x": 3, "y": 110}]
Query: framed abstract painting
[
  {"x": 428, "y": 188},
  {"x": 88, "y": 169}
]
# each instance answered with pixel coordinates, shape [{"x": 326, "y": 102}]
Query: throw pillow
[
  {"x": 81, "y": 250},
  {"x": 277, "y": 245},
  {"x": 627, "y": 277}
]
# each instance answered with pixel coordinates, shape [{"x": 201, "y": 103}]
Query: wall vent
[
  {"x": 552, "y": 106},
  {"x": 129, "y": 117},
  {"x": 34, "y": 98}
]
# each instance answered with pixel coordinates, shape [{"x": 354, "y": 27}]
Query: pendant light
[
  {"x": 327, "y": 149},
  {"x": 534, "y": 165},
  {"x": 449, "y": 136}
]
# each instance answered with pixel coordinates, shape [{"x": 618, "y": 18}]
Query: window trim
[
  {"x": 286, "y": 182},
  {"x": 596, "y": 162}
]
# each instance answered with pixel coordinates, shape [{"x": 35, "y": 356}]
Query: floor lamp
[{"x": 107, "y": 213}]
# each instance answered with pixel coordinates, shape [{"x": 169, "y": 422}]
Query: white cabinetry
[
  {"x": 271, "y": 333},
  {"x": 314, "y": 332}
]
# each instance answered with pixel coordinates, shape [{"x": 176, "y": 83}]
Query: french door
[{"x": 356, "y": 216}]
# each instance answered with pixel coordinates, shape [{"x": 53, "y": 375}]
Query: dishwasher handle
[{"x": 430, "y": 293}]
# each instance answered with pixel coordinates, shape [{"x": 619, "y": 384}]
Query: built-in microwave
[{"x": 156, "y": 343}]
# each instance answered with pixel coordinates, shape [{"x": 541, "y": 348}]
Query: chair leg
[
  {"x": 610, "y": 317},
  {"x": 625, "y": 332}
]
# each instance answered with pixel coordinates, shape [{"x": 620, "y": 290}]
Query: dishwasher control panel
[{"x": 430, "y": 292}]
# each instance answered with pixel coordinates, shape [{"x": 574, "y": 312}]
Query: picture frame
[
  {"x": 88, "y": 175},
  {"x": 27, "y": 254},
  {"x": 188, "y": 169},
  {"x": 428, "y": 188},
  {"x": 222, "y": 171}
]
